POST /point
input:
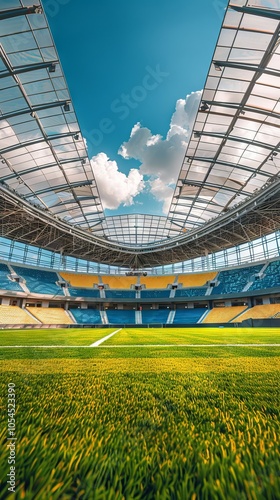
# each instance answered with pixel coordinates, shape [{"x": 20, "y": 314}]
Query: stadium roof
[{"x": 228, "y": 188}]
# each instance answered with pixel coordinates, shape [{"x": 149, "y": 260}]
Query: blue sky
[{"x": 129, "y": 65}]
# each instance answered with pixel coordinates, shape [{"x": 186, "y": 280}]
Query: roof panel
[
  {"x": 238, "y": 134},
  {"x": 254, "y": 40},
  {"x": 231, "y": 154}
]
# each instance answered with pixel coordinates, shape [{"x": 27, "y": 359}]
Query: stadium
[{"x": 142, "y": 350}]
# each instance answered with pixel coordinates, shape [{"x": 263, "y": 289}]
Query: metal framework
[{"x": 228, "y": 188}]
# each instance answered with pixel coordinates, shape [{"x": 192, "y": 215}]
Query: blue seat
[
  {"x": 5, "y": 283},
  {"x": 190, "y": 292},
  {"x": 188, "y": 316},
  {"x": 155, "y": 315},
  {"x": 38, "y": 281},
  {"x": 271, "y": 278},
  {"x": 234, "y": 280},
  {"x": 83, "y": 292},
  {"x": 155, "y": 294},
  {"x": 120, "y": 294},
  {"x": 120, "y": 316},
  {"x": 86, "y": 316}
]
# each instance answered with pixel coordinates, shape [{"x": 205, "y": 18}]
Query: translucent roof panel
[
  {"x": 138, "y": 229},
  {"x": 233, "y": 152},
  {"x": 43, "y": 155},
  {"x": 234, "y": 149}
]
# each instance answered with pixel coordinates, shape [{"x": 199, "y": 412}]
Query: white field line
[
  {"x": 196, "y": 345},
  {"x": 98, "y": 342},
  {"x": 130, "y": 346}
]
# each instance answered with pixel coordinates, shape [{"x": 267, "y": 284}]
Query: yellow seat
[
  {"x": 121, "y": 282},
  {"x": 259, "y": 312},
  {"x": 157, "y": 281},
  {"x": 14, "y": 315},
  {"x": 194, "y": 280},
  {"x": 80, "y": 280},
  {"x": 223, "y": 314},
  {"x": 51, "y": 315}
]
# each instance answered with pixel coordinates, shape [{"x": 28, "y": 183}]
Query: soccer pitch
[{"x": 142, "y": 413}]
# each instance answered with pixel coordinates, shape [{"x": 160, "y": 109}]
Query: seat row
[
  {"x": 255, "y": 277},
  {"x": 13, "y": 315}
]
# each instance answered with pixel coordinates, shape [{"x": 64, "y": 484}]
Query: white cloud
[
  {"x": 162, "y": 158},
  {"x": 163, "y": 192},
  {"x": 115, "y": 188}
]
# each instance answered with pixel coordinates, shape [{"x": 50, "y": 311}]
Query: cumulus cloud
[
  {"x": 115, "y": 188},
  {"x": 162, "y": 192},
  {"x": 162, "y": 158}
]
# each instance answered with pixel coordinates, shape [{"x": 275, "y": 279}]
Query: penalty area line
[{"x": 96, "y": 344}]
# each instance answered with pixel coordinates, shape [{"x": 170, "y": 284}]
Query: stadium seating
[
  {"x": 188, "y": 316},
  {"x": 155, "y": 294},
  {"x": 80, "y": 280},
  {"x": 120, "y": 294},
  {"x": 5, "y": 283},
  {"x": 50, "y": 315},
  {"x": 83, "y": 292},
  {"x": 122, "y": 282},
  {"x": 190, "y": 292},
  {"x": 14, "y": 315},
  {"x": 157, "y": 281},
  {"x": 223, "y": 314},
  {"x": 194, "y": 280},
  {"x": 38, "y": 281},
  {"x": 270, "y": 279},
  {"x": 155, "y": 315},
  {"x": 121, "y": 316},
  {"x": 259, "y": 312},
  {"x": 234, "y": 280},
  {"x": 86, "y": 316}
]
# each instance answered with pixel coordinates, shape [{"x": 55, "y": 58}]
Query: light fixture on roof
[
  {"x": 271, "y": 158},
  {"x": 76, "y": 137},
  {"x": 38, "y": 9},
  {"x": 84, "y": 161},
  {"x": 217, "y": 67},
  {"x": 66, "y": 106},
  {"x": 197, "y": 134},
  {"x": 33, "y": 114},
  {"x": 52, "y": 68},
  {"x": 204, "y": 106}
]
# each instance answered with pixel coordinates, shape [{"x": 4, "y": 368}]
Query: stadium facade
[
  {"x": 227, "y": 189},
  {"x": 225, "y": 208}
]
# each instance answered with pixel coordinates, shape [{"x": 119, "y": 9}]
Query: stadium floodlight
[
  {"x": 196, "y": 134},
  {"x": 66, "y": 106},
  {"x": 273, "y": 154},
  {"x": 37, "y": 9},
  {"x": 76, "y": 137},
  {"x": 52, "y": 68},
  {"x": 217, "y": 67},
  {"x": 204, "y": 106}
]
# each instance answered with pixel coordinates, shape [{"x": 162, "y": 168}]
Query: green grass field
[{"x": 143, "y": 416}]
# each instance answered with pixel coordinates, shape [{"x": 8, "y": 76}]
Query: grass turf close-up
[{"x": 177, "y": 423}]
